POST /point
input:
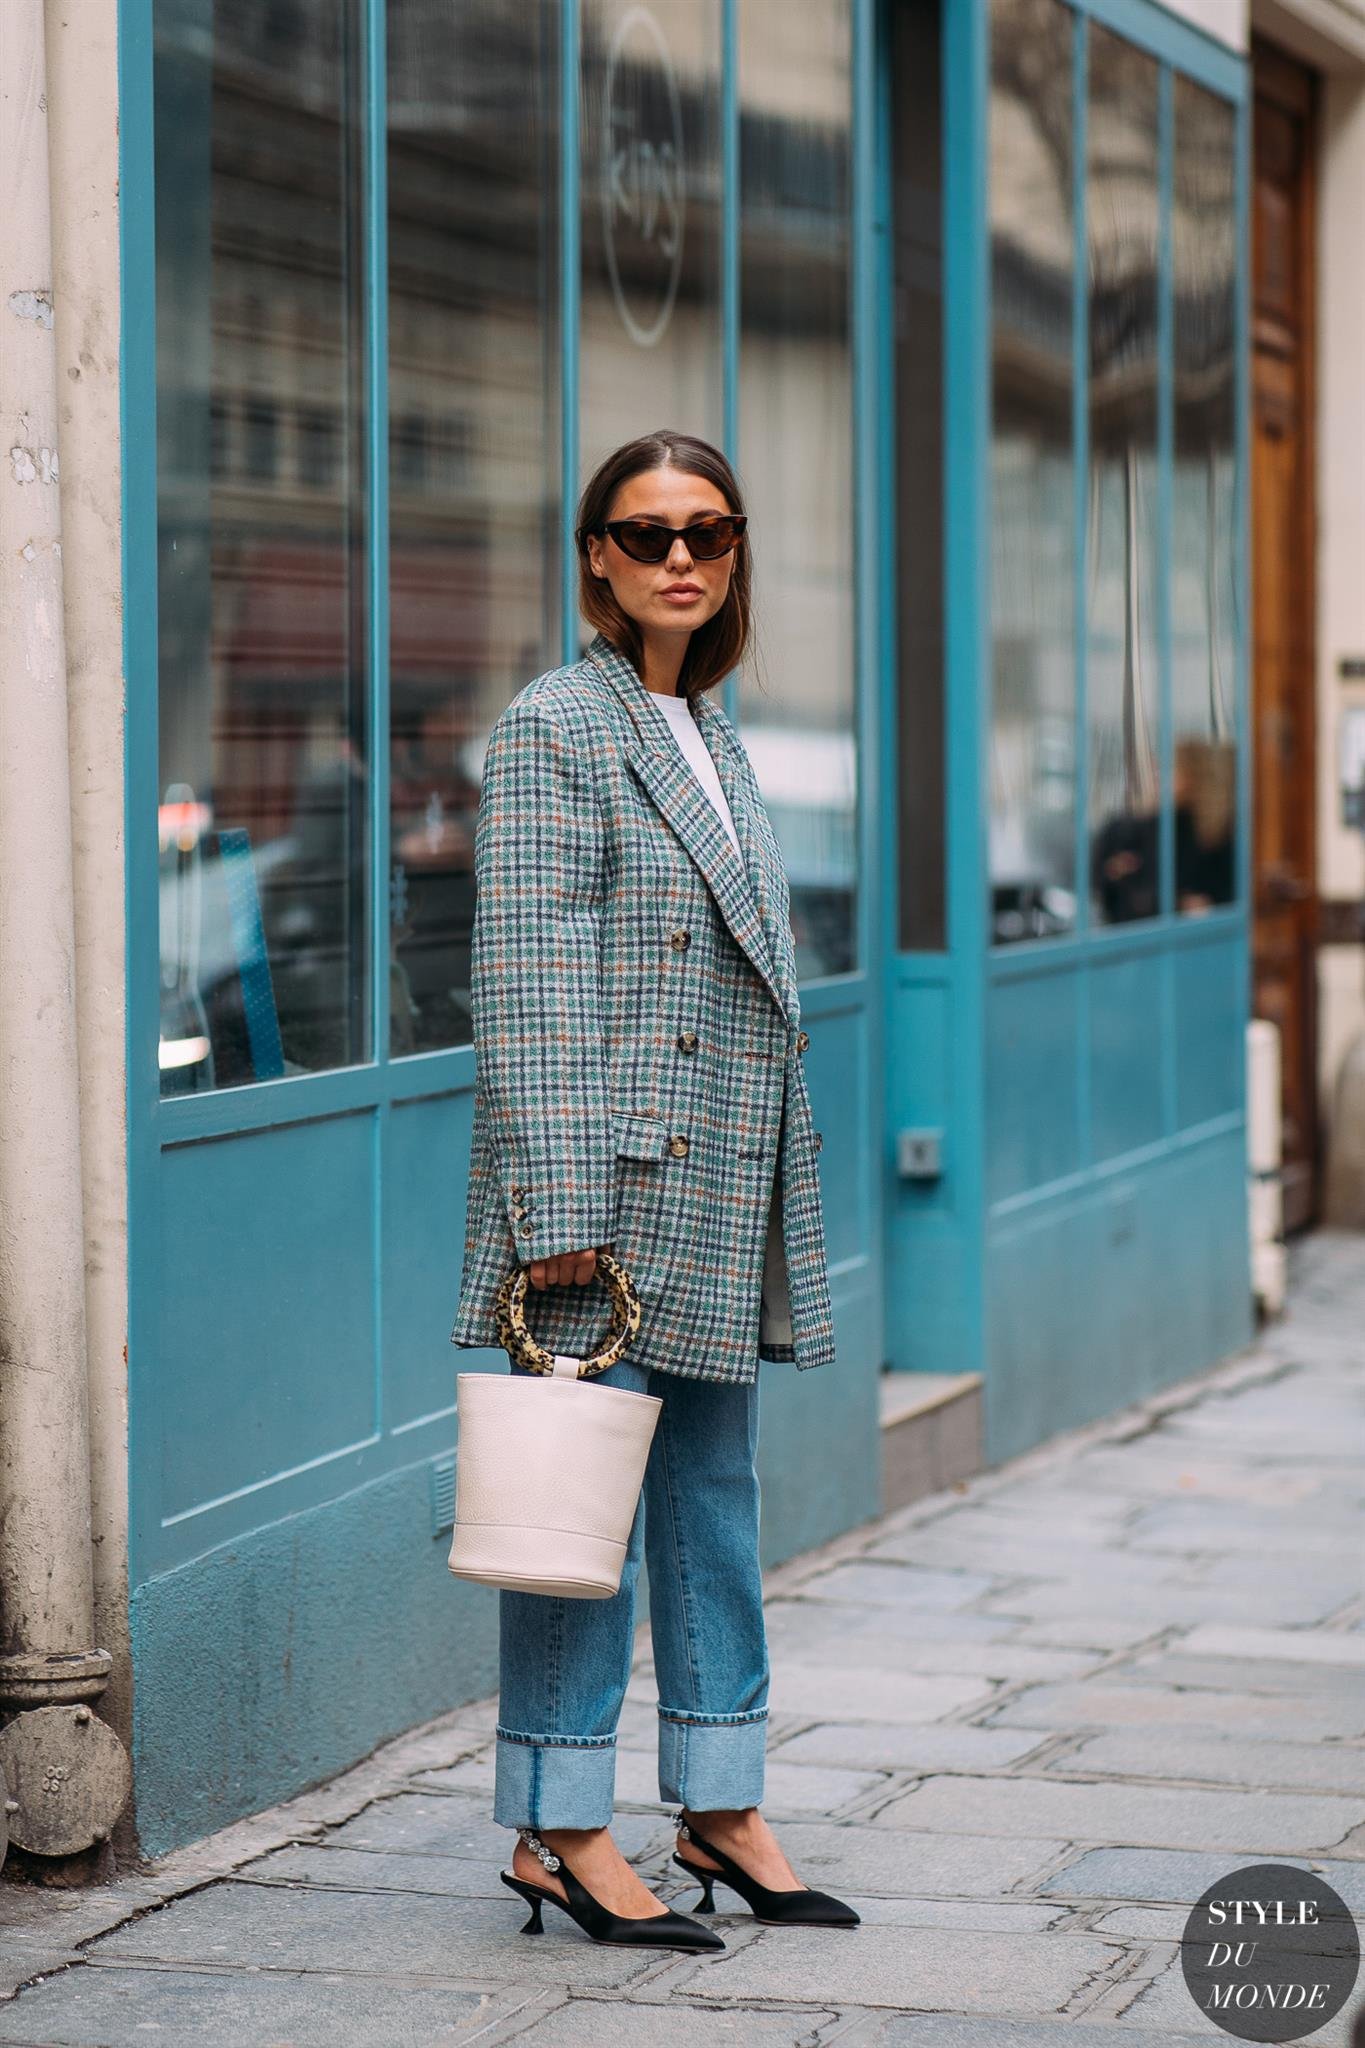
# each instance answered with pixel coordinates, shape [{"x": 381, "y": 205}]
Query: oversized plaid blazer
[{"x": 638, "y": 1046}]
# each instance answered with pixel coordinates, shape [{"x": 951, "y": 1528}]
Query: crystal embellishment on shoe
[{"x": 538, "y": 1848}]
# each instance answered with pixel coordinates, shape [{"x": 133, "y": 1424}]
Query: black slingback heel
[
  {"x": 655, "y": 1930},
  {"x": 801, "y": 1908}
]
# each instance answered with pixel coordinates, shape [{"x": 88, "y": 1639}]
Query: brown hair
[{"x": 714, "y": 648}]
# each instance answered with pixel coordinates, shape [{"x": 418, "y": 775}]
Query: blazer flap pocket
[{"x": 637, "y": 1136}]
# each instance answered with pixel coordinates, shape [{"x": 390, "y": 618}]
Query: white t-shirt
[{"x": 677, "y": 713}]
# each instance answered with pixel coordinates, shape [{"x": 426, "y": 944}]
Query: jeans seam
[
  {"x": 680, "y": 1718},
  {"x": 527, "y": 1741},
  {"x": 684, "y": 1591}
]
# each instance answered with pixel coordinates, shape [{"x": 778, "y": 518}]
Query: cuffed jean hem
[
  {"x": 711, "y": 1761},
  {"x": 553, "y": 1781}
]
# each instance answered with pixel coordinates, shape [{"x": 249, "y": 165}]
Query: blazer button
[
  {"x": 688, "y": 1041},
  {"x": 802, "y": 1040},
  {"x": 680, "y": 939},
  {"x": 518, "y": 1209},
  {"x": 516, "y": 1193},
  {"x": 819, "y": 1141},
  {"x": 678, "y": 1146},
  {"x": 526, "y": 1230}
]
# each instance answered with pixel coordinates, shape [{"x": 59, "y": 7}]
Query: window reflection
[
  {"x": 1204, "y": 553},
  {"x": 263, "y": 690},
  {"x": 1033, "y": 525},
  {"x": 1121, "y": 550},
  {"x": 916, "y": 59},
  {"x": 795, "y": 455},
  {"x": 473, "y": 455},
  {"x": 650, "y": 334}
]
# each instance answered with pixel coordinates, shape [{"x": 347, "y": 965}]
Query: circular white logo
[{"x": 642, "y": 177}]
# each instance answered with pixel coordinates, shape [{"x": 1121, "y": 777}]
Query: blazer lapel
[{"x": 665, "y": 775}]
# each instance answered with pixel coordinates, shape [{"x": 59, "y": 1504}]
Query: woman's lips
[{"x": 682, "y": 596}]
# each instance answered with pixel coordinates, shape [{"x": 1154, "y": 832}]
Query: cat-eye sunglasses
[{"x": 647, "y": 540}]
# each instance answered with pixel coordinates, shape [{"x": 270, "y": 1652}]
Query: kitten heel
[{"x": 535, "y": 1925}]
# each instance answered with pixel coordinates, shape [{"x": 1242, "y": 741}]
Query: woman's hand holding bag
[{"x": 549, "y": 1470}]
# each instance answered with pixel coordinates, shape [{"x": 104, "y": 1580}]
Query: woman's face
[{"x": 649, "y": 592}]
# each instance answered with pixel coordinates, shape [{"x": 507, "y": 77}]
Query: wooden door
[{"x": 1282, "y": 485}]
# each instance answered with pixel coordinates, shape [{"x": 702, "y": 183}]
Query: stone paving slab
[
  {"x": 901, "y": 1585},
  {"x": 895, "y": 1637},
  {"x": 891, "y": 1745},
  {"x": 1320, "y": 1767},
  {"x": 412, "y": 1936},
  {"x": 927, "y": 1971},
  {"x": 1171, "y": 1606},
  {"x": 1016, "y": 1548},
  {"x": 95, "y": 2007},
  {"x": 1155, "y": 1815},
  {"x": 1318, "y": 1684},
  {"x": 1103, "y": 1633},
  {"x": 850, "y": 1691},
  {"x": 1166, "y": 2002},
  {"x": 1223, "y": 1526},
  {"x": 1292, "y": 1646},
  {"x": 1118, "y": 1701},
  {"x": 913, "y": 1655},
  {"x": 1181, "y": 1877},
  {"x": 948, "y": 2032},
  {"x": 595, "y": 2023},
  {"x": 366, "y": 1870}
]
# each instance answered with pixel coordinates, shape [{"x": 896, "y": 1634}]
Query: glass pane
[
  {"x": 798, "y": 699},
  {"x": 262, "y": 631},
  {"x": 1033, "y": 521},
  {"x": 473, "y": 455},
  {"x": 917, "y": 215},
  {"x": 1204, "y": 553},
  {"x": 651, "y": 223},
  {"x": 1122, "y": 679}
]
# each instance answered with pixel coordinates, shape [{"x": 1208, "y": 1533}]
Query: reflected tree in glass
[
  {"x": 1204, "y": 552},
  {"x": 263, "y": 771},
  {"x": 473, "y": 455},
  {"x": 799, "y": 707},
  {"x": 1121, "y": 543},
  {"x": 1032, "y": 742}
]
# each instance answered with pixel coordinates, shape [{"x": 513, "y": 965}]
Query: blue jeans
[{"x": 565, "y": 1662}]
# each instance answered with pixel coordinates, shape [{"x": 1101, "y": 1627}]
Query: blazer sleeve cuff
[{"x": 548, "y": 1222}]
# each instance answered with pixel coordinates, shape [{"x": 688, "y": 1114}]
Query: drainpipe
[{"x": 66, "y": 1772}]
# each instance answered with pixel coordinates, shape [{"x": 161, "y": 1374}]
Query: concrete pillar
[{"x": 49, "y": 1664}]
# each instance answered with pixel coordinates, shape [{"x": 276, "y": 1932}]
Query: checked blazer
[{"x": 638, "y": 1045}]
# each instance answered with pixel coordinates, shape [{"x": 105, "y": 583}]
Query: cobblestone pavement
[{"x": 1022, "y": 1725}]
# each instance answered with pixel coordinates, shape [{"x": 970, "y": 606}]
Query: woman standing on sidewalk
[{"x": 639, "y": 1086}]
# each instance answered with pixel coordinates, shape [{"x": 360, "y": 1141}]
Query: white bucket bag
[{"x": 548, "y": 1469}]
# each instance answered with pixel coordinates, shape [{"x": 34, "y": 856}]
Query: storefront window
[
  {"x": 474, "y": 500},
  {"x": 1203, "y": 553},
  {"x": 650, "y": 337},
  {"x": 916, "y": 58},
  {"x": 1123, "y": 685},
  {"x": 264, "y": 775},
  {"x": 795, "y": 454},
  {"x": 1033, "y": 525}
]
